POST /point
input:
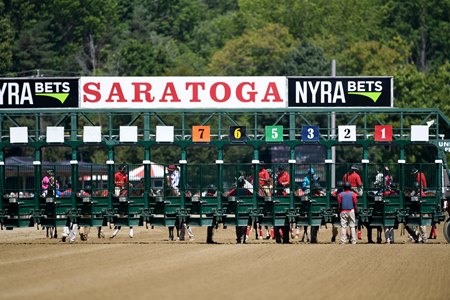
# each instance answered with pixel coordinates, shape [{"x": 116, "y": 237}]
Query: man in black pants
[{"x": 211, "y": 191}]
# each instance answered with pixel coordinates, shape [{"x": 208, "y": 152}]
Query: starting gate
[
  {"x": 243, "y": 150},
  {"x": 226, "y": 189}
]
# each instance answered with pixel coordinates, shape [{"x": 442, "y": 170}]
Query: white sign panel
[
  {"x": 18, "y": 135},
  {"x": 347, "y": 133},
  {"x": 128, "y": 134},
  {"x": 183, "y": 92},
  {"x": 164, "y": 134},
  {"x": 419, "y": 133},
  {"x": 55, "y": 134},
  {"x": 92, "y": 134}
]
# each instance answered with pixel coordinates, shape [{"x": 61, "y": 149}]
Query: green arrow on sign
[
  {"x": 372, "y": 95},
  {"x": 60, "y": 96}
]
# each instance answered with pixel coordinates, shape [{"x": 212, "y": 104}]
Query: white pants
[
  {"x": 389, "y": 234},
  {"x": 185, "y": 228},
  {"x": 70, "y": 233},
  {"x": 348, "y": 220}
]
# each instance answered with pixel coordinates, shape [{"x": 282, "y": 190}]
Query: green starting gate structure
[{"x": 151, "y": 201}]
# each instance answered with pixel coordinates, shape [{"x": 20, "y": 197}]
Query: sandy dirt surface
[{"x": 151, "y": 267}]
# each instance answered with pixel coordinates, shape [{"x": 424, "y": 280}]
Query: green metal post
[
  {"x": 74, "y": 178},
  {"x": 402, "y": 175},
  {"x": 255, "y": 165},
  {"x": 328, "y": 170},
  {"x": 2, "y": 164},
  {"x": 219, "y": 177},
  {"x": 365, "y": 179},
  {"x": 183, "y": 176},
  {"x": 2, "y": 175},
  {"x": 110, "y": 164},
  {"x": 439, "y": 170},
  {"x": 147, "y": 175},
  {"x": 292, "y": 162},
  {"x": 38, "y": 167},
  {"x": 74, "y": 162},
  {"x": 37, "y": 178},
  {"x": 147, "y": 159}
]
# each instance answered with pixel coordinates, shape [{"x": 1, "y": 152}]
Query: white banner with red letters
[{"x": 183, "y": 92}]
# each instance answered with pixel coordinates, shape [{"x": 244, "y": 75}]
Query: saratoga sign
[{"x": 183, "y": 92}]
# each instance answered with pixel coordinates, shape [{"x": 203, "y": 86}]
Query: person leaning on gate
[
  {"x": 418, "y": 234},
  {"x": 420, "y": 178},
  {"x": 264, "y": 181},
  {"x": 121, "y": 183},
  {"x": 241, "y": 191},
  {"x": 172, "y": 182},
  {"x": 46, "y": 182},
  {"x": 49, "y": 185},
  {"x": 347, "y": 202},
  {"x": 354, "y": 179},
  {"x": 309, "y": 180},
  {"x": 120, "y": 180},
  {"x": 211, "y": 191},
  {"x": 334, "y": 194},
  {"x": 283, "y": 181}
]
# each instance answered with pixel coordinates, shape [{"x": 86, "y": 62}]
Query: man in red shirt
[
  {"x": 353, "y": 178},
  {"x": 420, "y": 178},
  {"x": 283, "y": 181},
  {"x": 347, "y": 202},
  {"x": 264, "y": 181},
  {"x": 121, "y": 179}
]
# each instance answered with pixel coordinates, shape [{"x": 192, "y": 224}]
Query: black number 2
[{"x": 347, "y": 133}]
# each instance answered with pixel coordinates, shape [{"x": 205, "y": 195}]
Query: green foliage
[
  {"x": 305, "y": 60},
  {"x": 210, "y": 35},
  {"x": 369, "y": 58},
  {"x": 416, "y": 89},
  {"x": 426, "y": 24},
  {"x": 256, "y": 52},
  {"x": 6, "y": 50}
]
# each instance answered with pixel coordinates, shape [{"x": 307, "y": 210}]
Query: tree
[
  {"x": 257, "y": 52},
  {"x": 426, "y": 24},
  {"x": 211, "y": 35},
  {"x": 417, "y": 89},
  {"x": 305, "y": 60},
  {"x": 33, "y": 47},
  {"x": 369, "y": 58},
  {"x": 332, "y": 25},
  {"x": 6, "y": 41},
  {"x": 84, "y": 31}
]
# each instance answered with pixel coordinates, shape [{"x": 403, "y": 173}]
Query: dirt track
[{"x": 150, "y": 267}]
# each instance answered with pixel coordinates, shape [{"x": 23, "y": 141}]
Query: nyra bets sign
[
  {"x": 183, "y": 92},
  {"x": 342, "y": 92},
  {"x": 38, "y": 93}
]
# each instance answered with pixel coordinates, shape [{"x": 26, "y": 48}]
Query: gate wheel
[{"x": 447, "y": 230}]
